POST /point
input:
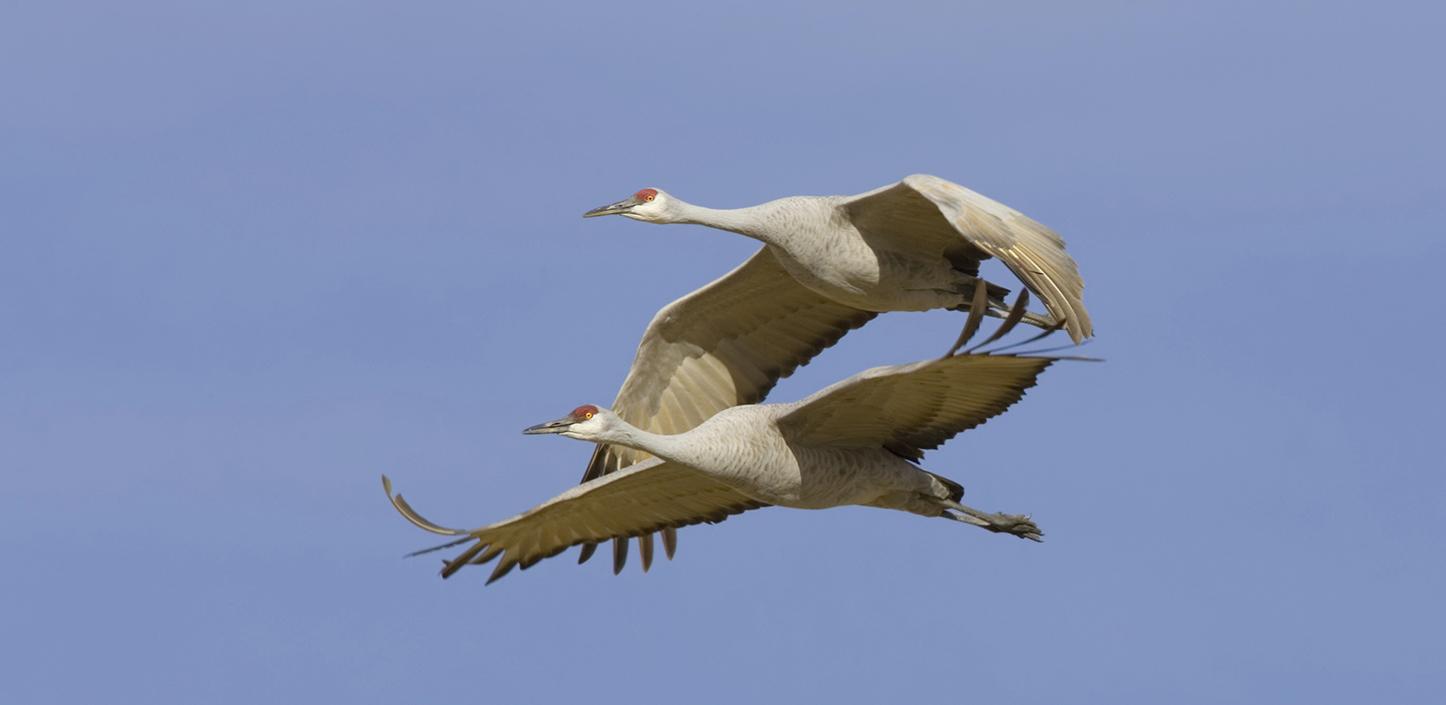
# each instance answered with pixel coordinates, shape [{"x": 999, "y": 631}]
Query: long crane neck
[
  {"x": 752, "y": 221},
  {"x": 673, "y": 448}
]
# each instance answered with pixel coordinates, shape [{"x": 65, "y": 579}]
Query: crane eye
[
  {"x": 646, "y": 195},
  {"x": 587, "y": 416}
]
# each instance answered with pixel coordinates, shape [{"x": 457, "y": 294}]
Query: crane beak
[
  {"x": 618, "y": 208},
  {"x": 559, "y": 426}
]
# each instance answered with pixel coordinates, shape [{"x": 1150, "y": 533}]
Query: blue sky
[{"x": 254, "y": 256}]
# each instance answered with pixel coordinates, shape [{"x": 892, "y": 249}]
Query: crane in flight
[
  {"x": 828, "y": 265},
  {"x": 853, "y": 443},
  {"x": 914, "y": 245}
]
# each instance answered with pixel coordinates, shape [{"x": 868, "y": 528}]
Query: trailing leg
[{"x": 1017, "y": 524}]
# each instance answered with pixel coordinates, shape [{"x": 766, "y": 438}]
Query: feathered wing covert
[
  {"x": 725, "y": 344},
  {"x": 905, "y": 408},
  {"x": 912, "y": 408},
  {"x": 924, "y": 213},
  {"x": 643, "y": 498}
]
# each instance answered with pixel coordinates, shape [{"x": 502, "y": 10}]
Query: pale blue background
[{"x": 256, "y": 254}]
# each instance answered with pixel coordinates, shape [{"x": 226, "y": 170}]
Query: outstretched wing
[
  {"x": 912, "y": 408},
  {"x": 927, "y": 213},
  {"x": 723, "y": 345},
  {"x": 643, "y": 498}
]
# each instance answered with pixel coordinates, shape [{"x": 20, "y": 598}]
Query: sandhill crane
[
  {"x": 829, "y": 264},
  {"x": 854, "y": 442},
  {"x": 914, "y": 245}
]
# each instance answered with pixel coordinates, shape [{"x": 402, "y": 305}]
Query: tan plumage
[
  {"x": 826, "y": 450},
  {"x": 909, "y": 409},
  {"x": 725, "y": 344},
  {"x": 829, "y": 264},
  {"x": 640, "y": 499},
  {"x": 924, "y": 213}
]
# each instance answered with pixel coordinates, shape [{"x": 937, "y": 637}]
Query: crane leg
[{"x": 1017, "y": 524}]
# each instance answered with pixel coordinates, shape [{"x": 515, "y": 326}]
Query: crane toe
[{"x": 1018, "y": 524}]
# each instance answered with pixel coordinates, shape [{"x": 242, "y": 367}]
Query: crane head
[
  {"x": 586, "y": 422},
  {"x": 649, "y": 204}
]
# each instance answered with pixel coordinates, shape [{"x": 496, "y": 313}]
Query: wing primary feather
[
  {"x": 1071, "y": 358},
  {"x": 986, "y": 228},
  {"x": 693, "y": 361},
  {"x": 462, "y": 558},
  {"x": 412, "y": 516},
  {"x": 449, "y": 544},
  {"x": 487, "y": 555},
  {"x": 1042, "y": 334},
  {"x": 1016, "y": 314},
  {"x": 620, "y": 554},
  {"x": 1042, "y": 351},
  {"x": 976, "y": 315},
  {"x": 645, "y": 551},
  {"x": 503, "y": 568},
  {"x": 596, "y": 466},
  {"x": 646, "y": 498},
  {"x": 909, "y": 409}
]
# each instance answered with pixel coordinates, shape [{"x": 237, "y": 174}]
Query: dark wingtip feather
[
  {"x": 1040, "y": 336},
  {"x": 620, "y": 554},
  {"x": 977, "y": 307},
  {"x": 1016, "y": 314},
  {"x": 645, "y": 551},
  {"x": 449, "y": 544},
  {"x": 456, "y": 564},
  {"x": 412, "y": 516},
  {"x": 503, "y": 568}
]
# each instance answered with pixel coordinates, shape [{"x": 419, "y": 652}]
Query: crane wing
[
  {"x": 927, "y": 213},
  {"x": 642, "y": 498},
  {"x": 723, "y": 345},
  {"x": 912, "y": 408}
]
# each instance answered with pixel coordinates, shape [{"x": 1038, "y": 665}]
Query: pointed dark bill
[{"x": 618, "y": 208}]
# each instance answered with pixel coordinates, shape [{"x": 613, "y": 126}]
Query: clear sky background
[{"x": 256, "y": 254}]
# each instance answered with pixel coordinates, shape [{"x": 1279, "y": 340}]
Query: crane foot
[{"x": 1017, "y": 524}]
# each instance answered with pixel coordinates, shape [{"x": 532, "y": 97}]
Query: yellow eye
[
  {"x": 588, "y": 415},
  {"x": 649, "y": 198}
]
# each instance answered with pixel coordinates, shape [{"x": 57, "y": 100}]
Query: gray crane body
[
  {"x": 848, "y": 444},
  {"x": 744, "y": 448},
  {"x": 820, "y": 247}
]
